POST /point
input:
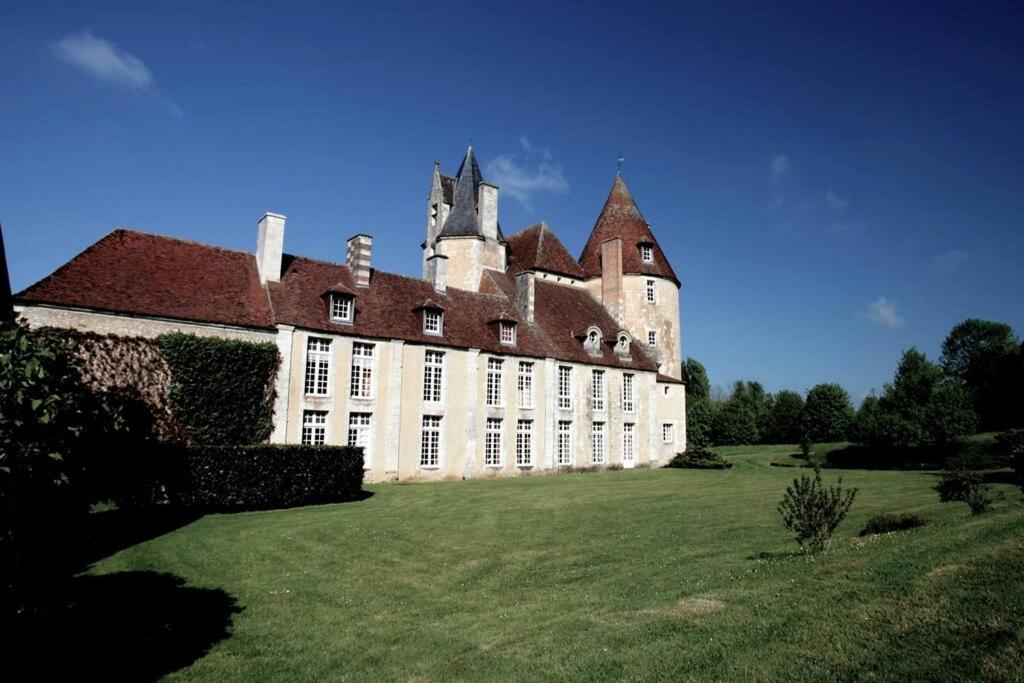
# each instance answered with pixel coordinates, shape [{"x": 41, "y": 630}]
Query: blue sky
[{"x": 833, "y": 183}]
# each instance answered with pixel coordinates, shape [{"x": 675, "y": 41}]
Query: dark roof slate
[{"x": 462, "y": 219}]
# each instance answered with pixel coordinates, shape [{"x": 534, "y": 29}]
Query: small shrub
[
  {"x": 814, "y": 511},
  {"x": 699, "y": 458},
  {"x": 805, "y": 448},
  {"x": 883, "y": 524},
  {"x": 962, "y": 485}
]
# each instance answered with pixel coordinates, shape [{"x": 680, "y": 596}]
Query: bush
[
  {"x": 813, "y": 511},
  {"x": 700, "y": 420},
  {"x": 267, "y": 476},
  {"x": 699, "y": 458},
  {"x": 883, "y": 524},
  {"x": 222, "y": 390},
  {"x": 961, "y": 485}
]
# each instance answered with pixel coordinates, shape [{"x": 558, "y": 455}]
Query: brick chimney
[
  {"x": 360, "y": 248},
  {"x": 525, "y": 287},
  {"x": 611, "y": 278},
  {"x": 488, "y": 210},
  {"x": 269, "y": 247},
  {"x": 437, "y": 271}
]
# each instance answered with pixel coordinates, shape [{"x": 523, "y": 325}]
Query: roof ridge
[{"x": 134, "y": 231}]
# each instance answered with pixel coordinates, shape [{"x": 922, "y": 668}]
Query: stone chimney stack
[
  {"x": 269, "y": 247},
  {"x": 487, "y": 204},
  {"x": 437, "y": 270},
  {"x": 360, "y": 249},
  {"x": 525, "y": 287},
  {"x": 611, "y": 278}
]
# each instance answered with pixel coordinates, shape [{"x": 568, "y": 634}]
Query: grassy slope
[{"x": 582, "y": 576}]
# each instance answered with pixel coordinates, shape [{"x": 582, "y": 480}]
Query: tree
[
  {"x": 904, "y": 403},
  {"x": 813, "y": 511},
  {"x": 783, "y": 423},
  {"x": 983, "y": 356},
  {"x": 866, "y": 427},
  {"x": 950, "y": 414},
  {"x": 827, "y": 414},
  {"x": 735, "y": 423},
  {"x": 697, "y": 385},
  {"x": 700, "y": 421}
]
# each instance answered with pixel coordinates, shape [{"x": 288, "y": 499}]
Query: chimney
[
  {"x": 360, "y": 248},
  {"x": 269, "y": 246},
  {"x": 611, "y": 278},
  {"x": 487, "y": 204},
  {"x": 525, "y": 286},
  {"x": 437, "y": 270}
]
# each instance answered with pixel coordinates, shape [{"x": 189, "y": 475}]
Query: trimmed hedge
[
  {"x": 222, "y": 390},
  {"x": 699, "y": 459},
  {"x": 267, "y": 476}
]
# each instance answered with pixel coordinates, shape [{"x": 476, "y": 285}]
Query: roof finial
[{"x": 619, "y": 161}]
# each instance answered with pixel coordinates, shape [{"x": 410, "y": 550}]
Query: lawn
[{"x": 668, "y": 574}]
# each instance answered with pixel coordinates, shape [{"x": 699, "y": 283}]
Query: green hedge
[
  {"x": 699, "y": 458},
  {"x": 267, "y": 476},
  {"x": 222, "y": 390}
]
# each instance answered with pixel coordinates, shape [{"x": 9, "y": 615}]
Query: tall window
[
  {"x": 524, "y": 443},
  {"x": 651, "y": 295},
  {"x": 318, "y": 365},
  {"x": 597, "y": 389},
  {"x": 564, "y": 386},
  {"x": 495, "y": 383},
  {"x": 362, "y": 371},
  {"x": 433, "y": 321},
  {"x": 314, "y": 427},
  {"x": 524, "y": 385},
  {"x": 492, "y": 442},
  {"x": 433, "y": 375},
  {"x": 628, "y": 442},
  {"x": 359, "y": 434},
  {"x": 597, "y": 443},
  {"x": 341, "y": 308},
  {"x": 647, "y": 253},
  {"x": 652, "y": 338},
  {"x": 508, "y": 332},
  {"x": 668, "y": 432},
  {"x": 430, "y": 442},
  {"x": 628, "y": 403},
  {"x": 564, "y": 442}
]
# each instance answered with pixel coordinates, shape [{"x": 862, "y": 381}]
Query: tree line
[{"x": 973, "y": 387}]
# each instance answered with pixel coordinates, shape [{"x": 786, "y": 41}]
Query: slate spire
[{"x": 462, "y": 220}]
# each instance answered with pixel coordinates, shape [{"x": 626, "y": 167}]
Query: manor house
[{"x": 507, "y": 355}]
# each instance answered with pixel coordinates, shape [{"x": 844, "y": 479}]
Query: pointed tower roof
[
  {"x": 621, "y": 218},
  {"x": 462, "y": 220},
  {"x": 538, "y": 248}
]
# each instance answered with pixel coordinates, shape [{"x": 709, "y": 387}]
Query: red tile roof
[
  {"x": 621, "y": 218},
  {"x": 142, "y": 274},
  {"x": 537, "y": 248}
]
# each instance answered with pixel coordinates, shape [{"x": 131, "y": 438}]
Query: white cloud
[
  {"x": 949, "y": 261},
  {"x": 520, "y": 174},
  {"x": 883, "y": 312},
  {"x": 834, "y": 202},
  {"x": 103, "y": 60}
]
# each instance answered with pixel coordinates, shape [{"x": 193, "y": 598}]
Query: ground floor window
[
  {"x": 359, "y": 433},
  {"x": 314, "y": 427},
  {"x": 564, "y": 442},
  {"x": 492, "y": 442},
  {"x": 430, "y": 442},
  {"x": 668, "y": 433},
  {"x": 628, "y": 443},
  {"x": 524, "y": 443},
  {"x": 597, "y": 443}
]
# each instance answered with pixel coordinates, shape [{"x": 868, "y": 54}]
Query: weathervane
[{"x": 619, "y": 161}]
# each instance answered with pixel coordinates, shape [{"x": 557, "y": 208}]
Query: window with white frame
[
  {"x": 524, "y": 443},
  {"x": 314, "y": 427},
  {"x": 652, "y": 338},
  {"x": 628, "y": 402},
  {"x": 318, "y": 365},
  {"x": 359, "y": 434},
  {"x": 651, "y": 292},
  {"x": 433, "y": 321},
  {"x": 495, "y": 382},
  {"x": 564, "y": 387},
  {"x": 433, "y": 376},
  {"x": 492, "y": 442},
  {"x": 646, "y": 253},
  {"x": 507, "y": 332},
  {"x": 341, "y": 308},
  {"x": 430, "y": 442},
  {"x": 668, "y": 432},
  {"x": 598, "y": 448},
  {"x": 524, "y": 385},
  {"x": 597, "y": 389},
  {"x": 628, "y": 442},
  {"x": 362, "y": 371},
  {"x": 564, "y": 442}
]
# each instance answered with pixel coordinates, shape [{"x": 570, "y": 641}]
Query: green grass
[{"x": 667, "y": 574}]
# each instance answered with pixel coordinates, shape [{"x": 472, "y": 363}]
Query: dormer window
[
  {"x": 646, "y": 253},
  {"x": 592, "y": 341},
  {"x": 507, "y": 332},
  {"x": 433, "y": 321},
  {"x": 622, "y": 344},
  {"x": 593, "y": 337},
  {"x": 341, "y": 308}
]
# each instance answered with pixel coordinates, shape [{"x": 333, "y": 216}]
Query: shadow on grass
[
  {"x": 135, "y": 626},
  {"x": 114, "y": 530},
  {"x": 785, "y": 555}
]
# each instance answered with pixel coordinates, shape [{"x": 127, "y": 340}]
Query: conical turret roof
[{"x": 462, "y": 220}]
